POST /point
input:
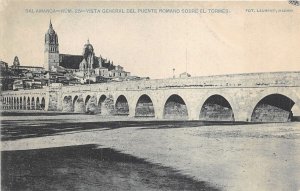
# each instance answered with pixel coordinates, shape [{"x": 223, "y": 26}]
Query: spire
[
  {"x": 50, "y": 30},
  {"x": 50, "y": 25},
  {"x": 88, "y": 41}
]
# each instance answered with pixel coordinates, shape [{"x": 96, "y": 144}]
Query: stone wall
[
  {"x": 106, "y": 107},
  {"x": 280, "y": 79},
  {"x": 91, "y": 106},
  {"x": 215, "y": 112},
  {"x": 53, "y": 101},
  {"x": 269, "y": 113},
  {"x": 122, "y": 108},
  {"x": 175, "y": 110},
  {"x": 67, "y": 105},
  {"x": 79, "y": 106},
  {"x": 243, "y": 92},
  {"x": 144, "y": 110}
]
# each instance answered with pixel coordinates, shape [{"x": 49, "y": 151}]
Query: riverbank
[
  {"x": 22, "y": 115},
  {"x": 87, "y": 167},
  {"x": 227, "y": 156}
]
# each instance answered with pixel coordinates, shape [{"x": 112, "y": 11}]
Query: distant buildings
[
  {"x": 61, "y": 68},
  {"x": 184, "y": 75},
  {"x": 3, "y": 66},
  {"x": 18, "y": 77},
  {"x": 86, "y": 67}
]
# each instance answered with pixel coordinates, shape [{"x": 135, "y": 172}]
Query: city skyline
[{"x": 153, "y": 44}]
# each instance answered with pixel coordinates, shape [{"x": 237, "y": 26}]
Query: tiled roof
[
  {"x": 70, "y": 61},
  {"x": 73, "y": 61}
]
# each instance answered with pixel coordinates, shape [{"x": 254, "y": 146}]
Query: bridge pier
[
  {"x": 193, "y": 113},
  {"x": 242, "y": 116},
  {"x": 270, "y": 97},
  {"x": 131, "y": 111},
  {"x": 159, "y": 113}
]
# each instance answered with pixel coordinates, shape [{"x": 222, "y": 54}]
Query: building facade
[
  {"x": 51, "y": 52},
  {"x": 86, "y": 66}
]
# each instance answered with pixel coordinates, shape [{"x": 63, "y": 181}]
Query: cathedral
[{"x": 84, "y": 66}]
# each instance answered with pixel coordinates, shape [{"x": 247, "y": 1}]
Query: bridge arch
[
  {"x": 7, "y": 103},
  {"x": 24, "y": 103},
  {"x": 105, "y": 105},
  {"x": 18, "y": 103},
  {"x": 14, "y": 103},
  {"x": 4, "y": 103},
  {"x": 37, "y": 104},
  {"x": 101, "y": 105},
  {"x": 21, "y": 103},
  {"x": 67, "y": 105},
  {"x": 91, "y": 104},
  {"x": 175, "y": 108},
  {"x": 121, "y": 106},
  {"x": 79, "y": 106},
  {"x": 11, "y": 103},
  {"x": 32, "y": 107},
  {"x": 43, "y": 103},
  {"x": 216, "y": 108},
  {"x": 273, "y": 108},
  {"x": 101, "y": 101},
  {"x": 28, "y": 103},
  {"x": 144, "y": 107},
  {"x": 75, "y": 99},
  {"x": 87, "y": 98}
]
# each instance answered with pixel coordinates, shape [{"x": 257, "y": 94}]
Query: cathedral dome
[{"x": 88, "y": 49}]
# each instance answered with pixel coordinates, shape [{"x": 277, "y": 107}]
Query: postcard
[{"x": 150, "y": 95}]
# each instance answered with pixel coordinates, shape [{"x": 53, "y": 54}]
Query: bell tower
[{"x": 51, "y": 52}]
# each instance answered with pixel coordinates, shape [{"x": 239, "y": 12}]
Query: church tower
[{"x": 51, "y": 52}]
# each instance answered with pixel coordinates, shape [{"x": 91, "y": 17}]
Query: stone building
[
  {"x": 3, "y": 66},
  {"x": 16, "y": 62},
  {"x": 85, "y": 66},
  {"x": 17, "y": 66},
  {"x": 51, "y": 51}
]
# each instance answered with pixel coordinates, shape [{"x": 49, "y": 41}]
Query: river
[{"x": 181, "y": 155}]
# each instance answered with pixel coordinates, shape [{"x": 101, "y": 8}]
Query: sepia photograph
[{"x": 150, "y": 95}]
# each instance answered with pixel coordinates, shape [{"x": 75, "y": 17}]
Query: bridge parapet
[
  {"x": 256, "y": 80},
  {"x": 226, "y": 97},
  {"x": 30, "y": 99},
  {"x": 25, "y": 92}
]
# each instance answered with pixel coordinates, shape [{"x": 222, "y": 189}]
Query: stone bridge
[{"x": 258, "y": 97}]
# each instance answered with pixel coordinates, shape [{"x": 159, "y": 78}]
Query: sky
[{"x": 152, "y": 44}]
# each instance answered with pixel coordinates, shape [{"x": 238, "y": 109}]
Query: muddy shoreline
[
  {"x": 87, "y": 167},
  {"x": 228, "y": 156}
]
